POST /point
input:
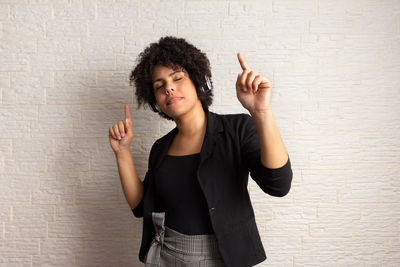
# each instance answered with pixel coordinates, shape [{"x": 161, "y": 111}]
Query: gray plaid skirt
[{"x": 173, "y": 249}]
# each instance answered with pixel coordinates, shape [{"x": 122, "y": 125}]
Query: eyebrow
[{"x": 169, "y": 75}]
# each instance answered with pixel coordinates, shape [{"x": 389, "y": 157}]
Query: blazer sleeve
[{"x": 273, "y": 181}]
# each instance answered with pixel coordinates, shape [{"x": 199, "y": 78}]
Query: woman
[{"x": 194, "y": 201}]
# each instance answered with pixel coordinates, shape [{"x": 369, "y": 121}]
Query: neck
[{"x": 192, "y": 123}]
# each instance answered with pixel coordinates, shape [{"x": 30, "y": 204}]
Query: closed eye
[{"x": 159, "y": 87}]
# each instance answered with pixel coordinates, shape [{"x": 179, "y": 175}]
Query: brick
[
  {"x": 330, "y": 225},
  {"x": 105, "y": 160},
  {"x": 33, "y": 213},
  {"x": 67, "y": 28},
  {"x": 5, "y": 213},
  {"x": 148, "y": 27},
  {"x": 28, "y": 88},
  {"x": 119, "y": 11},
  {"x": 16, "y": 187},
  {"x": 75, "y": 11},
  {"x": 110, "y": 27},
  {"x": 250, "y": 8},
  {"x": 31, "y": 12},
  {"x": 71, "y": 88},
  {"x": 306, "y": 8},
  {"x": 53, "y": 260},
  {"x": 242, "y": 25},
  {"x": 72, "y": 228},
  {"x": 72, "y": 95},
  {"x": 126, "y": 62},
  {"x": 142, "y": 146},
  {"x": 4, "y": 79},
  {"x": 5, "y": 147},
  {"x": 376, "y": 23},
  {"x": 329, "y": 24},
  {"x": 49, "y": 2},
  {"x": 103, "y": 252},
  {"x": 318, "y": 186},
  {"x": 377, "y": 220},
  {"x": 68, "y": 247},
  {"x": 4, "y": 12},
  {"x": 135, "y": 44},
  {"x": 59, "y": 112},
  {"x": 18, "y": 250},
  {"x": 51, "y": 129},
  {"x": 29, "y": 155},
  {"x": 102, "y": 46},
  {"x": 207, "y": 9},
  {"x": 56, "y": 188},
  {"x": 94, "y": 62},
  {"x": 315, "y": 260},
  {"x": 290, "y": 220},
  {"x": 15, "y": 129},
  {"x": 18, "y": 46},
  {"x": 386, "y": 91},
  {"x": 188, "y": 26},
  {"x": 76, "y": 79},
  {"x": 361, "y": 189},
  {"x": 312, "y": 246},
  {"x": 53, "y": 196},
  {"x": 54, "y": 46},
  {"x": 18, "y": 113},
  {"x": 84, "y": 146},
  {"x": 72, "y": 161},
  {"x": 50, "y": 62},
  {"x": 113, "y": 88},
  {"x": 280, "y": 250},
  {"x": 393, "y": 256},
  {"x": 13, "y": 62},
  {"x": 286, "y": 24},
  {"x": 275, "y": 43},
  {"x": 364, "y": 251},
  {"x": 59, "y": 180}
]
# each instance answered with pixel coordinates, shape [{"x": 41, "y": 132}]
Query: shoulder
[
  {"x": 232, "y": 118},
  {"x": 234, "y": 121}
]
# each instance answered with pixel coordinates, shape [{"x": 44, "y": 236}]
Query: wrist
[
  {"x": 261, "y": 114},
  {"x": 122, "y": 153}
]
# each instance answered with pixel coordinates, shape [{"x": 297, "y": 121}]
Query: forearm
[
  {"x": 273, "y": 151},
  {"x": 131, "y": 184}
]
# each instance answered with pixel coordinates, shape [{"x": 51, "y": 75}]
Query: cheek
[{"x": 158, "y": 96}]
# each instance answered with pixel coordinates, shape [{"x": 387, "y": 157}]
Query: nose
[{"x": 168, "y": 89}]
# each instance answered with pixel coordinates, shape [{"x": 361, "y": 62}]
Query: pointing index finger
[
  {"x": 242, "y": 62},
  {"x": 127, "y": 113}
]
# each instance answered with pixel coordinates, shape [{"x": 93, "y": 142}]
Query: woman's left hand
[{"x": 253, "y": 90}]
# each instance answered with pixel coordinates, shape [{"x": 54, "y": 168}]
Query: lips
[{"x": 173, "y": 100}]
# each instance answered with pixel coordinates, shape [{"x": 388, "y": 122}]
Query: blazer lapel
[
  {"x": 164, "y": 148},
  {"x": 214, "y": 127}
]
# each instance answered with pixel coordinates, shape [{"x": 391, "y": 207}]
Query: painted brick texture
[{"x": 64, "y": 69}]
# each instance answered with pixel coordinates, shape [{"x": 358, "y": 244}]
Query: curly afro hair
[{"x": 175, "y": 53}]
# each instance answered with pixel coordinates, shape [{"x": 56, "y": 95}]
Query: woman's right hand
[{"x": 121, "y": 134}]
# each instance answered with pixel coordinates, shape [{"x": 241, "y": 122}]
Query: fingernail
[{"x": 123, "y": 135}]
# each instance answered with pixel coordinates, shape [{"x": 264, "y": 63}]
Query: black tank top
[{"x": 179, "y": 194}]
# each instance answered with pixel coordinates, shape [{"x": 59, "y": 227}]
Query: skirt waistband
[{"x": 181, "y": 243}]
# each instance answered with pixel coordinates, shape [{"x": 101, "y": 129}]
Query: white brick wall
[{"x": 64, "y": 68}]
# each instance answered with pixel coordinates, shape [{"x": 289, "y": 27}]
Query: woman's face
[{"x": 174, "y": 91}]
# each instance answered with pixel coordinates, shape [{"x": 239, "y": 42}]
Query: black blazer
[{"x": 231, "y": 150}]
